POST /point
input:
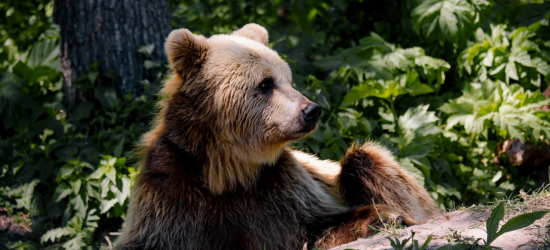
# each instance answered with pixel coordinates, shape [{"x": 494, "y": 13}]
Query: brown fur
[
  {"x": 216, "y": 172},
  {"x": 370, "y": 174}
]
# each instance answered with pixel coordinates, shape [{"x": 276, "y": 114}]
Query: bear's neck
[
  {"x": 226, "y": 166},
  {"x": 227, "y": 170}
]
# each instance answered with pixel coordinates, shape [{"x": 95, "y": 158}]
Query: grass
[{"x": 22, "y": 218}]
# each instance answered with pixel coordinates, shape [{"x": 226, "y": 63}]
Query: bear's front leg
[
  {"x": 370, "y": 175},
  {"x": 337, "y": 229}
]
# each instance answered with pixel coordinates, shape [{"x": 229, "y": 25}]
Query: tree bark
[{"x": 109, "y": 33}]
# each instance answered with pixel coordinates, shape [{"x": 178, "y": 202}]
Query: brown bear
[{"x": 217, "y": 171}]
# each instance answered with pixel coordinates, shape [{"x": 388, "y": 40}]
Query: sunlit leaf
[
  {"x": 57, "y": 233},
  {"x": 492, "y": 223},
  {"x": 519, "y": 222},
  {"x": 443, "y": 19}
]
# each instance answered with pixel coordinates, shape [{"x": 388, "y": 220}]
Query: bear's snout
[{"x": 311, "y": 114}]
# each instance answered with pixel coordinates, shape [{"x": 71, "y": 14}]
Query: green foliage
[
  {"x": 510, "y": 111},
  {"x": 68, "y": 171},
  {"x": 21, "y": 25},
  {"x": 440, "y": 20},
  {"x": 441, "y": 83},
  {"x": 506, "y": 56},
  {"x": 398, "y": 245},
  {"x": 19, "y": 245},
  {"x": 384, "y": 71}
]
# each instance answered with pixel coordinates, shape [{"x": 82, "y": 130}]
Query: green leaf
[
  {"x": 61, "y": 191},
  {"x": 520, "y": 222},
  {"x": 443, "y": 19},
  {"x": 92, "y": 219},
  {"x": 419, "y": 89},
  {"x": 326, "y": 153},
  {"x": 118, "y": 149},
  {"x": 92, "y": 76},
  {"x": 383, "y": 90},
  {"x": 80, "y": 206},
  {"x": 44, "y": 53},
  {"x": 462, "y": 246},
  {"x": 99, "y": 172},
  {"x": 12, "y": 99},
  {"x": 76, "y": 242},
  {"x": 75, "y": 185},
  {"x": 83, "y": 110},
  {"x": 147, "y": 50},
  {"x": 107, "y": 204},
  {"x": 407, "y": 164},
  {"x": 149, "y": 64},
  {"x": 111, "y": 175},
  {"x": 418, "y": 121},
  {"x": 124, "y": 191},
  {"x": 19, "y": 245},
  {"x": 497, "y": 69},
  {"x": 56, "y": 233},
  {"x": 448, "y": 22},
  {"x": 488, "y": 60},
  {"x": 27, "y": 194},
  {"x": 492, "y": 223},
  {"x": 65, "y": 170},
  {"x": 105, "y": 184},
  {"x": 327, "y": 135},
  {"x": 447, "y": 247},
  {"x": 329, "y": 62},
  {"x": 107, "y": 97},
  {"x": 511, "y": 71}
]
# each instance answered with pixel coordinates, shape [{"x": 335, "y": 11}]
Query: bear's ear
[
  {"x": 185, "y": 51},
  {"x": 254, "y": 32}
]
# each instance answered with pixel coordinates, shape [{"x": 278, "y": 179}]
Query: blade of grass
[{"x": 492, "y": 223}]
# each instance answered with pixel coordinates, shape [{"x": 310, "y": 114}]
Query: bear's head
[{"x": 231, "y": 97}]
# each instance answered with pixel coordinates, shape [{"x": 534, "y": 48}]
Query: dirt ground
[
  {"x": 13, "y": 229},
  {"x": 469, "y": 223}
]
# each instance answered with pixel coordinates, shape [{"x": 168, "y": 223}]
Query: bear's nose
[{"x": 311, "y": 113}]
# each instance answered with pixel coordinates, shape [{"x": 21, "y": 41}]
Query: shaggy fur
[{"x": 216, "y": 172}]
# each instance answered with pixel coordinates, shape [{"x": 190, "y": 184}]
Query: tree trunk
[{"x": 109, "y": 33}]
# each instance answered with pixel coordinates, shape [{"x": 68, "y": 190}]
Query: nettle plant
[
  {"x": 508, "y": 56},
  {"x": 86, "y": 197},
  {"x": 494, "y": 109},
  {"x": 68, "y": 172},
  {"x": 448, "y": 20}
]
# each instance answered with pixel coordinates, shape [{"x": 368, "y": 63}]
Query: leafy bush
[
  {"x": 506, "y": 56},
  {"x": 68, "y": 171},
  {"x": 439, "y": 82}
]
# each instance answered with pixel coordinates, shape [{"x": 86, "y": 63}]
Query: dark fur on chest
[{"x": 177, "y": 210}]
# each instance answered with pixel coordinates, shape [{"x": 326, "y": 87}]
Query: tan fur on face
[
  {"x": 228, "y": 68},
  {"x": 244, "y": 124}
]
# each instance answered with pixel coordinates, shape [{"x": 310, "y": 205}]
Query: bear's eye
[{"x": 267, "y": 84}]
